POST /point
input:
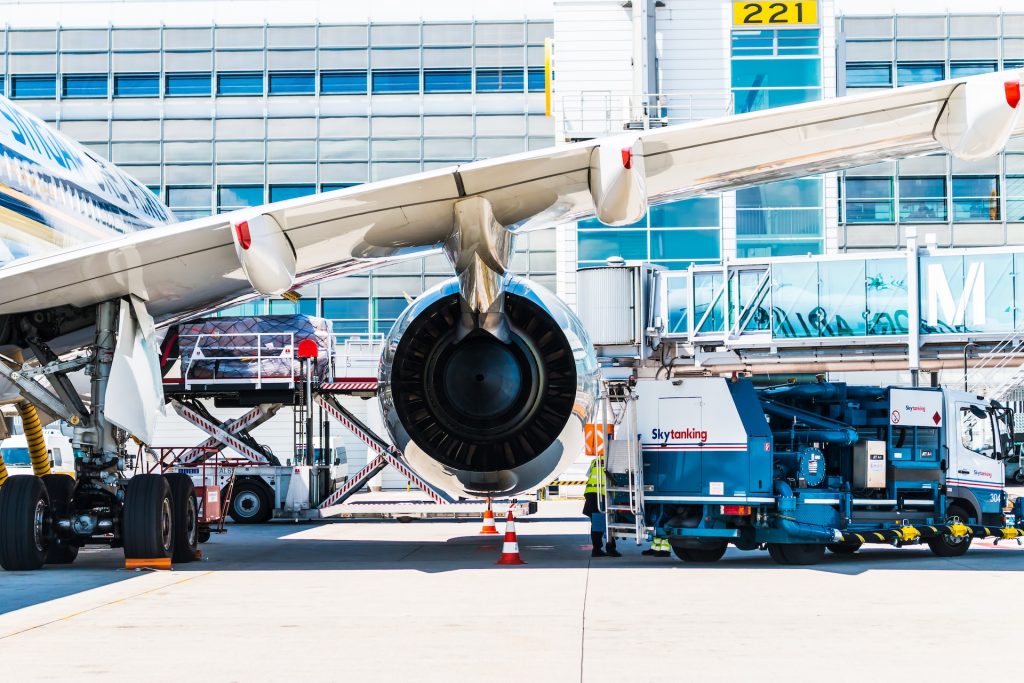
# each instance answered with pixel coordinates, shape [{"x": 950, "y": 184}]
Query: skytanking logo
[{"x": 688, "y": 434}]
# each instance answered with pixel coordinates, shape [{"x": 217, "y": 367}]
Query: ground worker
[
  {"x": 659, "y": 548},
  {"x": 596, "y": 487}
]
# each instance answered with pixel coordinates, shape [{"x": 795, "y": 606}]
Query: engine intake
[{"x": 494, "y": 416}]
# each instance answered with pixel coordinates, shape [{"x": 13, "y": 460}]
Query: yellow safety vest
[{"x": 595, "y": 479}]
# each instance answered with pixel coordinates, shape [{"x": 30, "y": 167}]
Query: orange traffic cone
[
  {"x": 510, "y": 549},
  {"x": 489, "y": 528}
]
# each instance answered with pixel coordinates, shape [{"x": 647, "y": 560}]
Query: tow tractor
[{"x": 801, "y": 468}]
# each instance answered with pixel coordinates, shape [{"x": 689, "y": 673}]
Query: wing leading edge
[{"x": 191, "y": 267}]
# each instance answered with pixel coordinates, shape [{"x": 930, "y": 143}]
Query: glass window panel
[
  {"x": 343, "y": 82},
  {"x": 292, "y": 83},
  {"x": 236, "y": 196},
  {"x": 869, "y": 200},
  {"x": 447, "y": 80},
  {"x": 629, "y": 244},
  {"x": 345, "y": 308},
  {"x": 500, "y": 80},
  {"x": 240, "y": 83},
  {"x": 286, "y": 307},
  {"x": 843, "y": 298},
  {"x": 805, "y": 192},
  {"x": 188, "y": 197},
  {"x": 280, "y": 193},
  {"x": 753, "y": 43},
  {"x": 868, "y": 75},
  {"x": 187, "y": 151},
  {"x": 975, "y": 198},
  {"x": 33, "y": 86},
  {"x": 678, "y": 295},
  {"x": 688, "y": 244},
  {"x": 85, "y": 85},
  {"x": 910, "y": 74},
  {"x": 688, "y": 213},
  {"x": 886, "y": 284},
  {"x": 962, "y": 69},
  {"x": 291, "y": 150},
  {"x": 757, "y": 100},
  {"x": 775, "y": 73},
  {"x": 343, "y": 149},
  {"x": 795, "y": 300},
  {"x": 136, "y": 85},
  {"x": 188, "y": 85},
  {"x": 1015, "y": 198},
  {"x": 535, "y": 79},
  {"x": 240, "y": 151},
  {"x": 135, "y": 152},
  {"x": 397, "y": 81},
  {"x": 709, "y": 304}
]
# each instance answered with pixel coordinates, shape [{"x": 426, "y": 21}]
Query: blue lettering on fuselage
[{"x": 30, "y": 134}]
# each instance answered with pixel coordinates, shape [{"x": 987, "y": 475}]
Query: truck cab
[{"x": 980, "y": 439}]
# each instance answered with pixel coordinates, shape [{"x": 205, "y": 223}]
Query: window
[
  {"x": 136, "y": 85},
  {"x": 292, "y": 83},
  {"x": 25, "y": 87},
  {"x": 767, "y": 83},
  {"x": 386, "y": 311},
  {"x": 404, "y": 81},
  {"x": 976, "y": 432},
  {"x": 784, "y": 208},
  {"x": 500, "y": 80},
  {"x": 869, "y": 200},
  {"x": 868, "y": 75},
  {"x": 922, "y": 199},
  {"x": 701, "y": 212},
  {"x": 975, "y": 198},
  {"x": 535, "y": 79},
  {"x": 286, "y": 307},
  {"x": 246, "y": 310},
  {"x": 348, "y": 316},
  {"x": 447, "y": 80},
  {"x": 691, "y": 244},
  {"x": 85, "y": 85},
  {"x": 279, "y": 193},
  {"x": 911, "y": 74},
  {"x": 599, "y": 245},
  {"x": 343, "y": 83},
  {"x": 231, "y": 197},
  {"x": 1015, "y": 198},
  {"x": 189, "y": 202},
  {"x": 962, "y": 69},
  {"x": 330, "y": 187},
  {"x": 239, "y": 83},
  {"x": 188, "y": 85}
]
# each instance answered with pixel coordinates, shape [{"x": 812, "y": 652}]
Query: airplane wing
[{"x": 196, "y": 266}]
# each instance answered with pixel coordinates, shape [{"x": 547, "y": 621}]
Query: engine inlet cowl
[{"x": 493, "y": 414}]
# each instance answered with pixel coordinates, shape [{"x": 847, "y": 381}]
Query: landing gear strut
[{"x": 47, "y": 519}]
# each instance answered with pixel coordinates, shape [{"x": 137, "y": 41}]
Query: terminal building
[{"x": 225, "y": 104}]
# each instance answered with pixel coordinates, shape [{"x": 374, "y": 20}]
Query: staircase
[{"x": 623, "y": 498}]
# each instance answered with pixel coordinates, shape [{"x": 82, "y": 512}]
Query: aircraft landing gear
[{"x": 47, "y": 519}]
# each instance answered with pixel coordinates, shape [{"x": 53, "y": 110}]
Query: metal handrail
[{"x": 262, "y": 352}]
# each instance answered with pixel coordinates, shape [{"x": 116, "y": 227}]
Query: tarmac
[{"x": 425, "y": 601}]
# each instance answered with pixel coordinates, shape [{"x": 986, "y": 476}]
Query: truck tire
[
  {"x": 775, "y": 552},
  {"x": 951, "y": 546},
  {"x": 250, "y": 503},
  {"x": 186, "y": 520},
  {"x": 700, "y": 554},
  {"x": 803, "y": 553},
  {"x": 843, "y": 548},
  {"x": 60, "y": 488},
  {"x": 1018, "y": 476},
  {"x": 24, "y": 531},
  {"x": 203, "y": 534},
  {"x": 148, "y": 518}
]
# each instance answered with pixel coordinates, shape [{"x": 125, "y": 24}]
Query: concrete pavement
[{"x": 384, "y": 601}]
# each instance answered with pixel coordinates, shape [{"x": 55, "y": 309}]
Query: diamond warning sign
[{"x": 915, "y": 407}]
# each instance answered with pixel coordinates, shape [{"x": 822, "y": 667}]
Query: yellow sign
[{"x": 774, "y": 13}]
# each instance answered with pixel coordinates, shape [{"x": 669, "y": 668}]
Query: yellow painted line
[{"x": 79, "y": 613}]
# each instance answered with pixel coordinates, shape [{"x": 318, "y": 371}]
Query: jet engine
[{"x": 478, "y": 416}]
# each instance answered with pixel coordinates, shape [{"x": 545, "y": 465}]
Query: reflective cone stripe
[
  {"x": 510, "y": 548},
  {"x": 489, "y": 528},
  {"x": 3, "y": 470}
]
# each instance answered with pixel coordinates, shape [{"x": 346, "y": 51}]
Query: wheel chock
[{"x": 154, "y": 563}]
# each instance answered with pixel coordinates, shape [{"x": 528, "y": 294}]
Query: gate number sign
[{"x": 774, "y": 13}]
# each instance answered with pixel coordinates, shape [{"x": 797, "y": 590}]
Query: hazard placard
[{"x": 595, "y": 436}]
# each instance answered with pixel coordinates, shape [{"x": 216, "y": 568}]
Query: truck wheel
[
  {"x": 700, "y": 554},
  {"x": 24, "y": 531},
  {"x": 250, "y": 503},
  {"x": 203, "y": 535},
  {"x": 803, "y": 553},
  {"x": 775, "y": 552},
  {"x": 60, "y": 488},
  {"x": 843, "y": 548},
  {"x": 186, "y": 521},
  {"x": 947, "y": 545},
  {"x": 1018, "y": 476},
  {"x": 148, "y": 518}
]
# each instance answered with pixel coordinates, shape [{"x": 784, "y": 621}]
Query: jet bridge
[{"x": 919, "y": 309}]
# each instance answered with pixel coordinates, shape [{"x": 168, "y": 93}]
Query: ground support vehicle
[{"x": 801, "y": 468}]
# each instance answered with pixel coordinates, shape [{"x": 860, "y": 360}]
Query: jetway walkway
[{"x": 918, "y": 309}]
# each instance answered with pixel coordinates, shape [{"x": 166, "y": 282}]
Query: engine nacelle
[
  {"x": 979, "y": 117},
  {"x": 481, "y": 417}
]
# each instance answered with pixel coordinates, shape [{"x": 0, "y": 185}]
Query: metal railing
[
  {"x": 590, "y": 113},
  {"x": 243, "y": 357}
]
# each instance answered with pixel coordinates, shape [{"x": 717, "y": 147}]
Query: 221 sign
[{"x": 774, "y": 13}]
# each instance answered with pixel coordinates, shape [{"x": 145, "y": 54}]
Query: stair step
[{"x": 619, "y": 508}]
